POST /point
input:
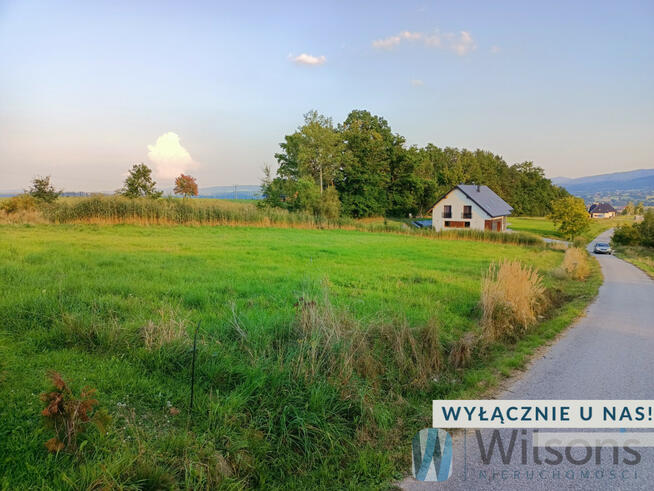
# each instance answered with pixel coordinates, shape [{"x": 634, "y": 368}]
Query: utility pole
[{"x": 235, "y": 191}]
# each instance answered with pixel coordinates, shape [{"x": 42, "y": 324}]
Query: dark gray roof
[
  {"x": 601, "y": 208},
  {"x": 487, "y": 200}
]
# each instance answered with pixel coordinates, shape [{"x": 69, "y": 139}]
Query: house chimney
[{"x": 478, "y": 188}]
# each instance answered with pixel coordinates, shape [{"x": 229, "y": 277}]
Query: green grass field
[
  {"x": 546, "y": 228},
  {"x": 77, "y": 299}
]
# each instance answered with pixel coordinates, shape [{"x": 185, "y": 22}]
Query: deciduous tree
[
  {"x": 571, "y": 216},
  {"x": 42, "y": 190},
  {"x": 186, "y": 185},
  {"x": 139, "y": 183}
]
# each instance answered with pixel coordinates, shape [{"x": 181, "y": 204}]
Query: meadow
[
  {"x": 544, "y": 227},
  {"x": 114, "y": 307}
]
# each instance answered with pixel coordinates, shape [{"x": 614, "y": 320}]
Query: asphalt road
[{"x": 607, "y": 354}]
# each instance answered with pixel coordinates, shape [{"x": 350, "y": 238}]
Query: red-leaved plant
[{"x": 69, "y": 415}]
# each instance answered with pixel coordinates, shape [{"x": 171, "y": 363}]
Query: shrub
[
  {"x": 22, "y": 202},
  {"x": 626, "y": 235},
  {"x": 575, "y": 263},
  {"x": 69, "y": 415},
  {"x": 579, "y": 242},
  {"x": 512, "y": 297}
]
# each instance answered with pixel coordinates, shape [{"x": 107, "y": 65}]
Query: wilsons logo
[
  {"x": 518, "y": 449},
  {"x": 432, "y": 455}
]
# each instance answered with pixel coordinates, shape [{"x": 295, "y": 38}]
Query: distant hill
[
  {"x": 617, "y": 188},
  {"x": 245, "y": 191}
]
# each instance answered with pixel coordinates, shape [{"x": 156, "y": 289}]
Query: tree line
[{"x": 360, "y": 168}]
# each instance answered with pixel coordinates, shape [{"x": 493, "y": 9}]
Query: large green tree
[
  {"x": 139, "y": 183},
  {"x": 320, "y": 149},
  {"x": 374, "y": 149}
]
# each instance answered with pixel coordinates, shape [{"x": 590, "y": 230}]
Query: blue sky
[{"x": 88, "y": 88}]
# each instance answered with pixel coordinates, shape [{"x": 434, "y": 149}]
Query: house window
[
  {"x": 447, "y": 211},
  {"x": 467, "y": 212},
  {"x": 467, "y": 225},
  {"x": 448, "y": 224}
]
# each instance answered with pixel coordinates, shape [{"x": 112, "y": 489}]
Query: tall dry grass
[
  {"x": 22, "y": 216},
  {"x": 575, "y": 263},
  {"x": 512, "y": 297},
  {"x": 332, "y": 344},
  {"x": 166, "y": 330}
]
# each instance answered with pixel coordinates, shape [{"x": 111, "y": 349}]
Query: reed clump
[
  {"x": 575, "y": 263},
  {"x": 513, "y": 296}
]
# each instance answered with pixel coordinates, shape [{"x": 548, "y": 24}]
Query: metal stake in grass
[{"x": 195, "y": 343}]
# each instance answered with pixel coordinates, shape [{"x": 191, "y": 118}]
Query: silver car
[{"x": 602, "y": 248}]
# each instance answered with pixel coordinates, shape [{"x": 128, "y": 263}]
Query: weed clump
[
  {"x": 168, "y": 329},
  {"x": 512, "y": 297},
  {"x": 69, "y": 415},
  {"x": 462, "y": 350}
]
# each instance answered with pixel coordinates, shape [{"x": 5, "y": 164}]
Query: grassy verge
[
  {"x": 114, "y": 308},
  {"x": 642, "y": 257}
]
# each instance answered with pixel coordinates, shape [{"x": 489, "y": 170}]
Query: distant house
[
  {"x": 471, "y": 206},
  {"x": 601, "y": 210}
]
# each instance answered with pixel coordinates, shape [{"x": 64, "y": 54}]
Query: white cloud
[
  {"x": 495, "y": 49},
  {"x": 461, "y": 43},
  {"x": 305, "y": 59},
  {"x": 392, "y": 41},
  {"x": 169, "y": 157},
  {"x": 417, "y": 82}
]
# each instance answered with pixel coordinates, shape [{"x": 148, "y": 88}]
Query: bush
[
  {"x": 626, "y": 235},
  {"x": 22, "y": 202},
  {"x": 329, "y": 206},
  {"x": 575, "y": 263},
  {"x": 512, "y": 297}
]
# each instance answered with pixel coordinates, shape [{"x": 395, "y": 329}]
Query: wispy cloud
[
  {"x": 460, "y": 43},
  {"x": 169, "y": 157},
  {"x": 305, "y": 59},
  {"x": 416, "y": 82},
  {"x": 495, "y": 49}
]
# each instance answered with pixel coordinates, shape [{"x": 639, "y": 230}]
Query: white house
[
  {"x": 601, "y": 210},
  {"x": 471, "y": 206}
]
